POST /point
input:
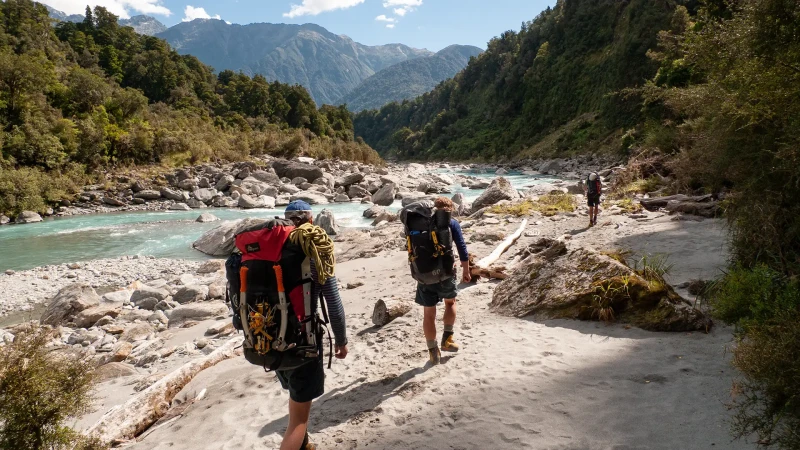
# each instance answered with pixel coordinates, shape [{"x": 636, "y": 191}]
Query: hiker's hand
[
  {"x": 467, "y": 276},
  {"x": 341, "y": 352}
]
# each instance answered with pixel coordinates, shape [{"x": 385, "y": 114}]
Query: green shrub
[
  {"x": 33, "y": 189},
  {"x": 767, "y": 401},
  {"x": 747, "y": 296},
  {"x": 39, "y": 391}
]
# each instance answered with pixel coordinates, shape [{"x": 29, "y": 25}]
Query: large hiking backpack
[
  {"x": 429, "y": 242},
  {"x": 592, "y": 187},
  {"x": 269, "y": 288}
]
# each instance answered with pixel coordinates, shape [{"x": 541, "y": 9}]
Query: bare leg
[
  {"x": 429, "y": 323},
  {"x": 298, "y": 425},
  {"x": 449, "y": 312}
]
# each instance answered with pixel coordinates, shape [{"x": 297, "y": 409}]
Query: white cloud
[
  {"x": 191, "y": 13},
  {"x": 314, "y": 7},
  {"x": 410, "y": 3},
  {"x": 383, "y": 18},
  {"x": 400, "y": 11},
  {"x": 122, "y": 8},
  {"x": 389, "y": 25}
]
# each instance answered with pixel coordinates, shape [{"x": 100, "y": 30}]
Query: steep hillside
[
  {"x": 558, "y": 67},
  {"x": 409, "y": 79},
  {"x": 327, "y": 64}
]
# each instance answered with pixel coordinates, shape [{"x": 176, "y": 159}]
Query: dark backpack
[
  {"x": 269, "y": 288},
  {"x": 592, "y": 187},
  {"x": 429, "y": 242}
]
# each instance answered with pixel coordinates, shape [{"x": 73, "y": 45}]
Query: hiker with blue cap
[
  {"x": 308, "y": 382},
  {"x": 279, "y": 278}
]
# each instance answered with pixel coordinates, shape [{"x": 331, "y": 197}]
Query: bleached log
[
  {"x": 124, "y": 422},
  {"x": 508, "y": 242},
  {"x": 497, "y": 274},
  {"x": 386, "y": 310}
]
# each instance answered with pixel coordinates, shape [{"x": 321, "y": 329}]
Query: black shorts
[
  {"x": 304, "y": 383},
  {"x": 431, "y": 294},
  {"x": 593, "y": 200}
]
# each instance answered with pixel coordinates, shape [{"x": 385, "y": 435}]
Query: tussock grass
[{"x": 547, "y": 205}]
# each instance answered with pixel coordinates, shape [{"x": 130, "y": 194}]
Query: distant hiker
[
  {"x": 430, "y": 234},
  {"x": 593, "y": 189},
  {"x": 275, "y": 283}
]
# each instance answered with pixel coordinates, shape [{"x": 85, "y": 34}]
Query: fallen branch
[
  {"x": 124, "y": 422},
  {"x": 386, "y": 310},
  {"x": 508, "y": 242}
]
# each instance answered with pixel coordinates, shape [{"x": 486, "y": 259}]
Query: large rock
[
  {"x": 249, "y": 202},
  {"x": 551, "y": 167},
  {"x": 190, "y": 294},
  {"x": 313, "y": 198},
  {"x": 224, "y": 182},
  {"x": 219, "y": 241},
  {"x": 266, "y": 177},
  {"x": 179, "y": 207},
  {"x": 145, "y": 291},
  {"x": 350, "y": 179},
  {"x": 68, "y": 303},
  {"x": 327, "y": 222},
  {"x": 121, "y": 296},
  {"x": 374, "y": 211},
  {"x": 256, "y": 187},
  {"x": 4, "y": 219},
  {"x": 90, "y": 316},
  {"x": 556, "y": 282},
  {"x": 197, "y": 311},
  {"x": 211, "y": 266},
  {"x": 28, "y": 217},
  {"x": 173, "y": 194},
  {"x": 499, "y": 189},
  {"x": 205, "y": 195},
  {"x": 385, "y": 195},
  {"x": 113, "y": 370},
  {"x": 148, "y": 194},
  {"x": 113, "y": 201},
  {"x": 291, "y": 169},
  {"x": 137, "y": 332},
  {"x": 356, "y": 191},
  {"x": 207, "y": 217}
]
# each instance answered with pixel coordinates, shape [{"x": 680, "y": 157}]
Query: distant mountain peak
[{"x": 409, "y": 79}]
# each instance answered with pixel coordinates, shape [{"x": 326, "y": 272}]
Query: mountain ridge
[
  {"x": 329, "y": 65},
  {"x": 409, "y": 79}
]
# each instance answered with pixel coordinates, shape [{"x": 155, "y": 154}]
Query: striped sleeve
[{"x": 330, "y": 291}]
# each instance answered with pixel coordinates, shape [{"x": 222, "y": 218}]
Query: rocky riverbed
[{"x": 270, "y": 182}]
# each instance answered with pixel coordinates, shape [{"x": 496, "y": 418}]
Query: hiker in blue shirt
[{"x": 429, "y": 295}]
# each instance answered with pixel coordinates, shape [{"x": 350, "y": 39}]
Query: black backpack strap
[{"x": 325, "y": 322}]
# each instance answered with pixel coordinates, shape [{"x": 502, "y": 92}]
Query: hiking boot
[
  {"x": 435, "y": 355},
  {"x": 449, "y": 344},
  {"x": 307, "y": 445}
]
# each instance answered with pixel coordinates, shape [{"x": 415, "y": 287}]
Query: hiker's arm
[
  {"x": 458, "y": 238},
  {"x": 330, "y": 291}
]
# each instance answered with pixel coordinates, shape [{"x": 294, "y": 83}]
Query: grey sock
[
  {"x": 448, "y": 328},
  {"x": 433, "y": 344}
]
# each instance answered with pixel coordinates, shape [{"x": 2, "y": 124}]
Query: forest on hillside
[
  {"x": 77, "y": 97},
  {"x": 527, "y": 83}
]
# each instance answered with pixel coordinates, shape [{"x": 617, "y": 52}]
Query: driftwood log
[
  {"x": 484, "y": 268},
  {"x": 386, "y": 310},
  {"x": 124, "y": 422},
  {"x": 508, "y": 242}
]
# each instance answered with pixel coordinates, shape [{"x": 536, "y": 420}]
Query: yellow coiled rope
[{"x": 318, "y": 246}]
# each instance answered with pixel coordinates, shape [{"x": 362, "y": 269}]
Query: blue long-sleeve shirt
[
  {"x": 458, "y": 238},
  {"x": 330, "y": 291}
]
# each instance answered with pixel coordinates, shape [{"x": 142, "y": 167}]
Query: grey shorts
[{"x": 431, "y": 294}]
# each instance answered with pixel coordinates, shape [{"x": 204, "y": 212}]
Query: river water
[{"x": 164, "y": 234}]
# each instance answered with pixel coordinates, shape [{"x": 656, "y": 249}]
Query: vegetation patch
[
  {"x": 546, "y": 205},
  {"x": 40, "y": 391}
]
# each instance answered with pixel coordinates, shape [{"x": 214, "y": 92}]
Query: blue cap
[{"x": 298, "y": 205}]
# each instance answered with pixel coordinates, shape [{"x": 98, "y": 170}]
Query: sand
[{"x": 516, "y": 383}]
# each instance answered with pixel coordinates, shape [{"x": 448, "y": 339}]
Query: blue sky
[{"x": 431, "y": 24}]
